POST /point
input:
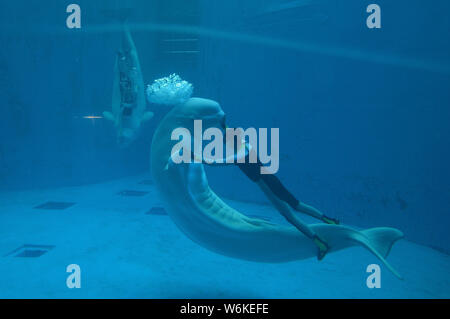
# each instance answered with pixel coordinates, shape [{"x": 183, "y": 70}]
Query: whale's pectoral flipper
[
  {"x": 170, "y": 163},
  {"x": 109, "y": 116}
]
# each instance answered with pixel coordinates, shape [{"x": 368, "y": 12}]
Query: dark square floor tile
[
  {"x": 55, "y": 205},
  {"x": 30, "y": 251},
  {"x": 132, "y": 193},
  {"x": 156, "y": 211}
]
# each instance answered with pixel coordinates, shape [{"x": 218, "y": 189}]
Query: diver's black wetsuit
[
  {"x": 271, "y": 185},
  {"x": 253, "y": 171}
]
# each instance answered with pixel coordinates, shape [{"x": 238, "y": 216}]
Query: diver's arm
[{"x": 234, "y": 158}]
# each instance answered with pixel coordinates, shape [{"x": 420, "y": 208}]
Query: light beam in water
[{"x": 341, "y": 52}]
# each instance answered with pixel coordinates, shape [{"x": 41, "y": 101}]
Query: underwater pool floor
[{"x": 127, "y": 247}]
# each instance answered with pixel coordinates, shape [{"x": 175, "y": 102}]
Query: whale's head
[
  {"x": 183, "y": 116},
  {"x": 208, "y": 111},
  {"x": 128, "y": 127}
]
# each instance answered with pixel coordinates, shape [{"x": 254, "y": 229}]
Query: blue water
[{"x": 363, "y": 117}]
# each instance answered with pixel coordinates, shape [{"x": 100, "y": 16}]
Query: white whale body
[
  {"x": 128, "y": 111},
  {"x": 202, "y": 216}
]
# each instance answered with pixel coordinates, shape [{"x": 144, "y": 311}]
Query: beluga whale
[
  {"x": 207, "y": 220},
  {"x": 128, "y": 101}
]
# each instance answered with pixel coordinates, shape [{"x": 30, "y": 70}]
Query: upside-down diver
[{"x": 128, "y": 102}]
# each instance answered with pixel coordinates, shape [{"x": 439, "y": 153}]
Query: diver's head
[{"x": 126, "y": 136}]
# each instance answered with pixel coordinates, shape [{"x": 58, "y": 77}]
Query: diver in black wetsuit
[
  {"x": 280, "y": 196},
  {"x": 283, "y": 200}
]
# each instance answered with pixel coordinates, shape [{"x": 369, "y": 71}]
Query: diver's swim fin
[
  {"x": 330, "y": 220},
  {"x": 322, "y": 245}
]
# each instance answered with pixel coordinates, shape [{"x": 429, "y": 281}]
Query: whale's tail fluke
[
  {"x": 382, "y": 238},
  {"x": 379, "y": 242}
]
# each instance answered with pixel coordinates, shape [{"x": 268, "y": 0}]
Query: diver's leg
[
  {"x": 253, "y": 172},
  {"x": 286, "y": 211},
  {"x": 281, "y": 192},
  {"x": 311, "y": 211}
]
